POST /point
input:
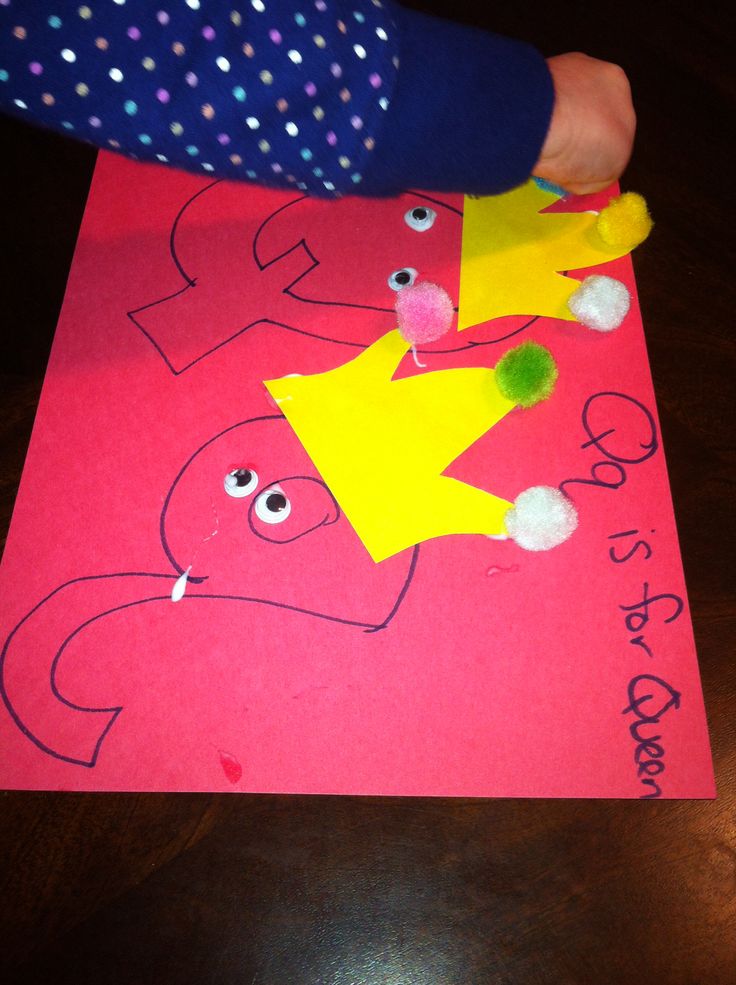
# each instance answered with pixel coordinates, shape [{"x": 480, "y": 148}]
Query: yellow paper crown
[
  {"x": 512, "y": 253},
  {"x": 381, "y": 445}
]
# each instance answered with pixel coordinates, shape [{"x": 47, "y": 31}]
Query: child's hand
[{"x": 591, "y": 133}]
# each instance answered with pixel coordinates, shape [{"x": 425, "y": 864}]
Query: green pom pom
[{"x": 526, "y": 374}]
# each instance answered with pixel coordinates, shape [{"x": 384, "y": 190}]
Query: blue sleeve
[{"x": 322, "y": 95}]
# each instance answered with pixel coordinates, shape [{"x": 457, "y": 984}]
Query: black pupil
[
  {"x": 276, "y": 502},
  {"x": 419, "y": 214},
  {"x": 243, "y": 476},
  {"x": 402, "y": 277}
]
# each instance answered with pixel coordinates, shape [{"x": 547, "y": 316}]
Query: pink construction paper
[{"x": 465, "y": 667}]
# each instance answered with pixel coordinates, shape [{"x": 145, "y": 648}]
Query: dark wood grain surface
[{"x": 348, "y": 891}]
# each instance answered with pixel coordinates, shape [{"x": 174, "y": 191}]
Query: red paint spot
[
  {"x": 496, "y": 569},
  {"x": 230, "y": 766}
]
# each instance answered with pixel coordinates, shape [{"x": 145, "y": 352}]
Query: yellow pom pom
[{"x": 625, "y": 222}]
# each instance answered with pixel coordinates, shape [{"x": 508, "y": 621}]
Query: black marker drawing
[
  {"x": 246, "y": 508},
  {"x": 326, "y": 272}
]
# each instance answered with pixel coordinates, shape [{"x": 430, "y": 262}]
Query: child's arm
[{"x": 321, "y": 95}]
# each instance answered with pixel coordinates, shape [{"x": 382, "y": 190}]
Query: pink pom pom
[{"x": 425, "y": 312}]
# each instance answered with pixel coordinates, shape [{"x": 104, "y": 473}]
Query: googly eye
[
  {"x": 272, "y": 506},
  {"x": 240, "y": 482},
  {"x": 292, "y": 507},
  {"x": 402, "y": 278},
  {"x": 420, "y": 218}
]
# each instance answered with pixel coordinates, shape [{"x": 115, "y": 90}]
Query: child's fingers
[{"x": 591, "y": 133}]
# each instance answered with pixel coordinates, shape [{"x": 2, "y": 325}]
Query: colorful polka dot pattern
[{"x": 290, "y": 94}]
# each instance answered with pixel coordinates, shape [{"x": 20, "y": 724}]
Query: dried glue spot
[
  {"x": 417, "y": 360},
  {"x": 230, "y": 766},
  {"x": 496, "y": 569},
  {"x": 180, "y": 586}
]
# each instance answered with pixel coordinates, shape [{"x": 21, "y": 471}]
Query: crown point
[
  {"x": 526, "y": 374},
  {"x": 424, "y": 311},
  {"x": 625, "y": 222},
  {"x": 600, "y": 303},
  {"x": 541, "y": 518}
]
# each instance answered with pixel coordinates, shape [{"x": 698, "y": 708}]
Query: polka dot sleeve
[
  {"x": 286, "y": 94},
  {"x": 328, "y": 96}
]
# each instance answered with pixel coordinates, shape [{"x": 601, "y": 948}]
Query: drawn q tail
[{"x": 35, "y": 648}]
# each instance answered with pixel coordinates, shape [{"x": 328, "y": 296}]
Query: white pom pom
[
  {"x": 600, "y": 302},
  {"x": 541, "y": 518}
]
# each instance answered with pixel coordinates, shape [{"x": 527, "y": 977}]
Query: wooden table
[{"x": 301, "y": 890}]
